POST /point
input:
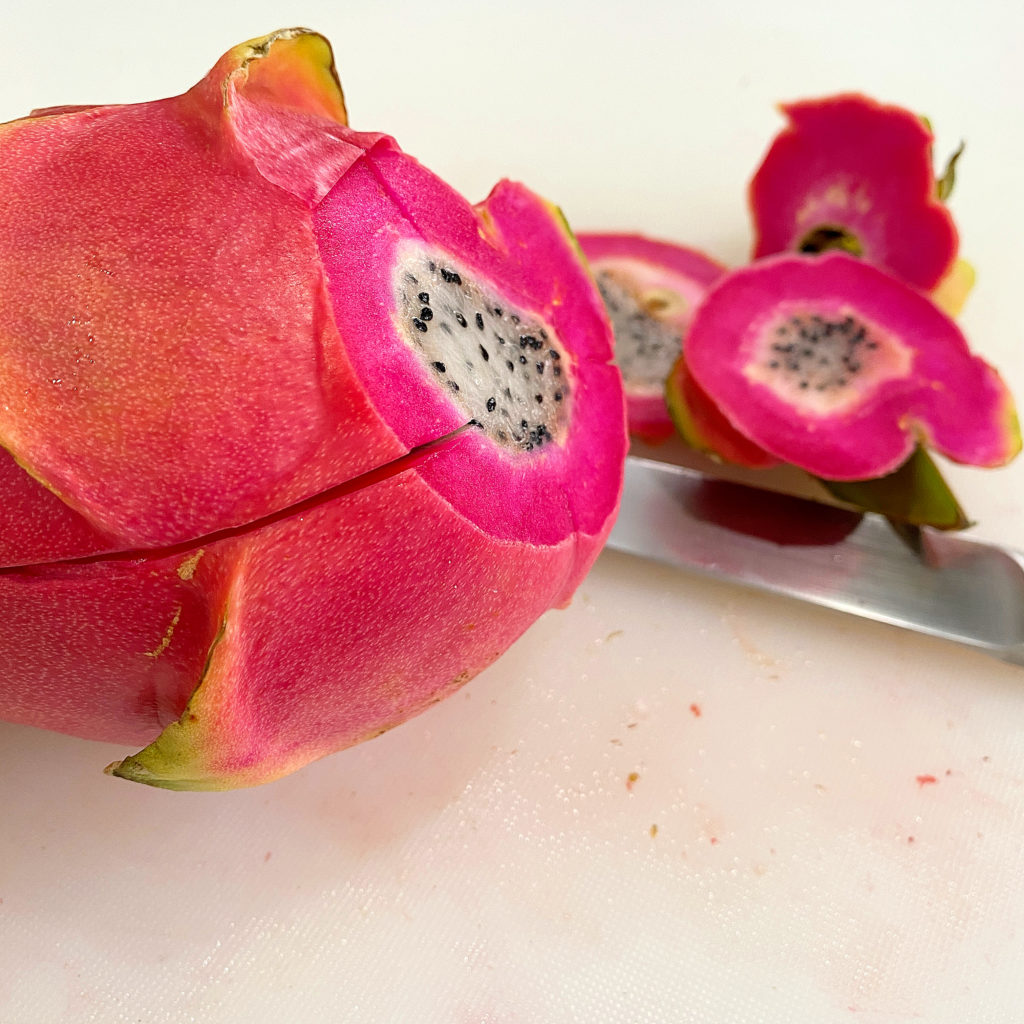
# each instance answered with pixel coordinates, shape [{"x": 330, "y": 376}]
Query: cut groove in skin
[{"x": 305, "y": 505}]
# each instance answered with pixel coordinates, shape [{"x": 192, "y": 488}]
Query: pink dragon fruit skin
[
  {"x": 858, "y": 170},
  {"x": 212, "y": 329},
  {"x": 703, "y": 425},
  {"x": 651, "y": 289},
  {"x": 830, "y": 364}
]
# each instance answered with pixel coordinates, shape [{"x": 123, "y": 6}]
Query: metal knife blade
[{"x": 959, "y": 589}]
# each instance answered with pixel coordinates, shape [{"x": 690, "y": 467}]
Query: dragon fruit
[
  {"x": 830, "y": 364},
  {"x": 852, "y": 174},
  {"x": 650, "y": 290},
  {"x": 703, "y": 426},
  {"x": 296, "y": 440}
]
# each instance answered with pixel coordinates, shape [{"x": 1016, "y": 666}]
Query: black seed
[
  {"x": 445, "y": 326},
  {"x": 557, "y": 371},
  {"x": 510, "y": 364},
  {"x": 480, "y": 321},
  {"x": 453, "y": 385},
  {"x": 411, "y": 279},
  {"x": 540, "y": 367},
  {"x": 485, "y": 354},
  {"x": 522, "y": 359},
  {"x": 497, "y": 310},
  {"x": 432, "y": 265},
  {"x": 558, "y": 396},
  {"x": 523, "y": 424},
  {"x": 539, "y": 399},
  {"x": 508, "y": 392},
  {"x": 491, "y": 404},
  {"x": 502, "y": 436},
  {"x": 513, "y": 318},
  {"x": 418, "y": 324},
  {"x": 803, "y": 383},
  {"x": 527, "y": 339},
  {"x": 439, "y": 367},
  {"x": 424, "y": 297},
  {"x": 553, "y": 353},
  {"x": 461, "y": 319},
  {"x": 426, "y": 313}
]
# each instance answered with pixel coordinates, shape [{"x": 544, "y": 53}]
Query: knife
[{"x": 948, "y": 586}]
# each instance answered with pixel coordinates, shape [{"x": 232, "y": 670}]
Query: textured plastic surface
[{"x": 839, "y": 805}]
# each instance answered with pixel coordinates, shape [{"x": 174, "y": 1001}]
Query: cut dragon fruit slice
[
  {"x": 651, "y": 290},
  {"x": 703, "y": 425},
  {"x": 830, "y": 364},
  {"x": 852, "y": 174}
]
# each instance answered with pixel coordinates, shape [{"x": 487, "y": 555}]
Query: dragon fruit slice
[
  {"x": 852, "y": 174},
  {"x": 650, "y": 290},
  {"x": 703, "y": 425},
  {"x": 297, "y": 439},
  {"x": 830, "y": 364}
]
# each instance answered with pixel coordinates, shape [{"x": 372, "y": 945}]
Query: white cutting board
[{"x": 673, "y": 802}]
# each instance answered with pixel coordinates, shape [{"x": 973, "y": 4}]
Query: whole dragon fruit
[{"x": 294, "y": 439}]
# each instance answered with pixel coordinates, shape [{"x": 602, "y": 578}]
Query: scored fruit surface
[{"x": 213, "y": 308}]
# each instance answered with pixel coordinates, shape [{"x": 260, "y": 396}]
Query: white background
[{"x": 491, "y": 862}]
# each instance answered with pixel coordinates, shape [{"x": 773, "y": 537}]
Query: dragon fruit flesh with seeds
[
  {"x": 650, "y": 289},
  {"x": 295, "y": 440}
]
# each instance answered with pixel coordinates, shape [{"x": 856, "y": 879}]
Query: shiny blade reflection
[{"x": 958, "y": 589}]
